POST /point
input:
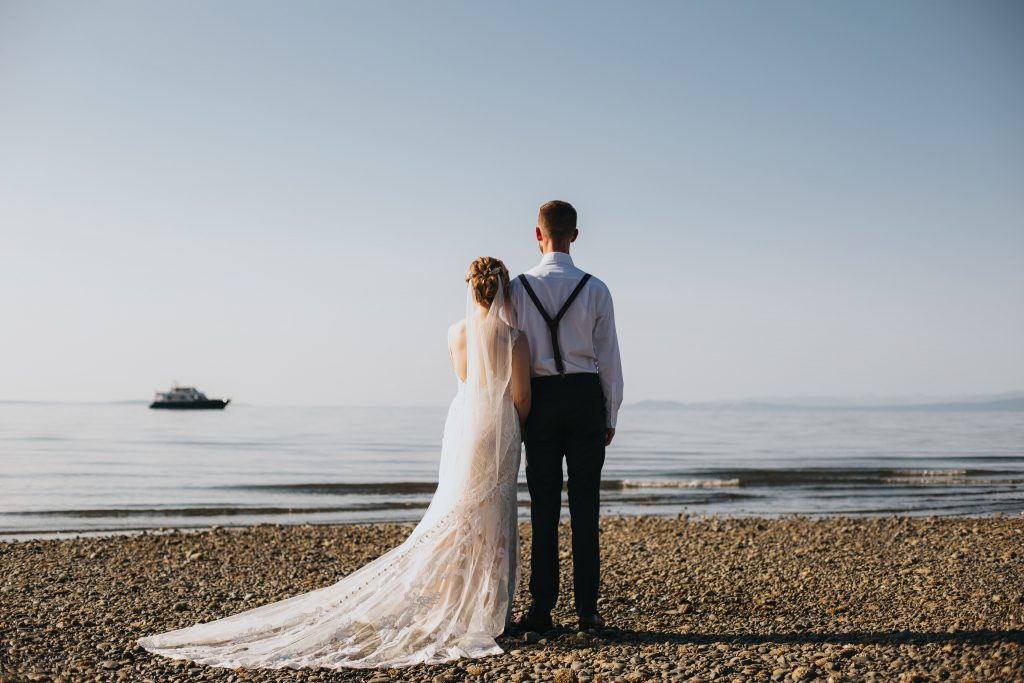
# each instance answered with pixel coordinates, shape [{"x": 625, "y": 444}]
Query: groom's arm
[{"x": 609, "y": 364}]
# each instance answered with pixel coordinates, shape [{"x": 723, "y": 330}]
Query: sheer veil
[
  {"x": 490, "y": 417},
  {"x": 444, "y": 593}
]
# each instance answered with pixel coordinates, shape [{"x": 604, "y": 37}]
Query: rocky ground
[{"x": 700, "y": 599}]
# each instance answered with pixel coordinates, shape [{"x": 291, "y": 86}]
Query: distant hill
[{"x": 1011, "y": 403}]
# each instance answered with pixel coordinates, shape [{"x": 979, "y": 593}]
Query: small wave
[
  {"x": 678, "y": 483},
  {"x": 841, "y": 477},
  {"x": 949, "y": 481},
  {"x": 929, "y": 481},
  {"x": 213, "y": 511},
  {"x": 383, "y": 487}
]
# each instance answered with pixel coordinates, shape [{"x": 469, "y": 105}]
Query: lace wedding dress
[{"x": 443, "y": 594}]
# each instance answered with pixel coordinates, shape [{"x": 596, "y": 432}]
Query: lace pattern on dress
[{"x": 444, "y": 593}]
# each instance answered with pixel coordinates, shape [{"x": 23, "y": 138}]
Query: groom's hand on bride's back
[{"x": 609, "y": 434}]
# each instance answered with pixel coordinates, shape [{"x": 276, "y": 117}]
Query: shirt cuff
[{"x": 613, "y": 415}]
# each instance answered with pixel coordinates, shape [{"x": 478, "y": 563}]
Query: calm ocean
[{"x": 103, "y": 467}]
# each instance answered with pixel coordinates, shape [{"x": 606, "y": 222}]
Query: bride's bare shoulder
[{"x": 457, "y": 333}]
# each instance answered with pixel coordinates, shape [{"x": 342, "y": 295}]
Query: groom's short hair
[{"x": 557, "y": 219}]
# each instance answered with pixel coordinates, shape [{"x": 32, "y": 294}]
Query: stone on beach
[{"x": 686, "y": 599}]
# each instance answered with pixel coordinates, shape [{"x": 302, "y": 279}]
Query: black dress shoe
[
  {"x": 535, "y": 621},
  {"x": 595, "y": 621}
]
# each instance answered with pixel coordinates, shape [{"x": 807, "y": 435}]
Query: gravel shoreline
[{"x": 709, "y": 599}]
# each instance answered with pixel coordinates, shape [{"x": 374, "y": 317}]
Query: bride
[{"x": 444, "y": 593}]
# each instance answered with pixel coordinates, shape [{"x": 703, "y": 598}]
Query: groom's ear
[
  {"x": 575, "y": 234},
  {"x": 540, "y": 235}
]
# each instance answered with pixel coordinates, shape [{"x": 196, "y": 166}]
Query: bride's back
[
  {"x": 520, "y": 384},
  {"x": 457, "y": 348}
]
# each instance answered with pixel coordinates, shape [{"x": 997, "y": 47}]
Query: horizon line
[{"x": 870, "y": 400}]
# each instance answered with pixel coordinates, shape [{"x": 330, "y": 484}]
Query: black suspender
[{"x": 553, "y": 322}]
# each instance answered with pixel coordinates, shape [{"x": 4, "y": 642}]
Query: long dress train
[{"x": 444, "y": 593}]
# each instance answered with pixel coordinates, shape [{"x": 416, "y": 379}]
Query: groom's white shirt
[{"x": 586, "y": 335}]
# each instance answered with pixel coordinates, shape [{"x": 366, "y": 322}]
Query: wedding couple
[{"x": 537, "y": 361}]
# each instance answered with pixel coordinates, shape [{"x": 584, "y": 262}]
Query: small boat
[{"x": 187, "y": 398}]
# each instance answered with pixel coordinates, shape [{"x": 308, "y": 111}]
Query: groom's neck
[{"x": 551, "y": 247}]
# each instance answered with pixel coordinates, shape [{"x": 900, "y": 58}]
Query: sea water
[{"x": 105, "y": 467}]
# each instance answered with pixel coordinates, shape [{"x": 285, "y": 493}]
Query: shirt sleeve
[{"x": 609, "y": 364}]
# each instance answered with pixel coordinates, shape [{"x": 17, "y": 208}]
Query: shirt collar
[{"x": 561, "y": 258}]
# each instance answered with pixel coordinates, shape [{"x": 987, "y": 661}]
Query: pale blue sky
[{"x": 278, "y": 201}]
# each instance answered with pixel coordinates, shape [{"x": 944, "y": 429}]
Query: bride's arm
[
  {"x": 457, "y": 349},
  {"x": 521, "y": 377}
]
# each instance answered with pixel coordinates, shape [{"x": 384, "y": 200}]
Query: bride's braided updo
[{"x": 483, "y": 277}]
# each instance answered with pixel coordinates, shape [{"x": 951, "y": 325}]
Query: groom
[{"x": 576, "y": 382}]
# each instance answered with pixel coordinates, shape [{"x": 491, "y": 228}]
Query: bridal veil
[{"x": 446, "y": 591}]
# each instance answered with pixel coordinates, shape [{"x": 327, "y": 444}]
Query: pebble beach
[{"x": 687, "y": 599}]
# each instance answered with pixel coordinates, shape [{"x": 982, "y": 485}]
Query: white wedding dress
[{"x": 443, "y": 594}]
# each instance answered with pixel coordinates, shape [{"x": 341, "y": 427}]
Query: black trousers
[{"x": 567, "y": 419}]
